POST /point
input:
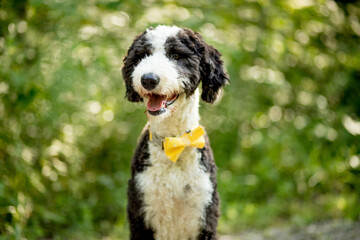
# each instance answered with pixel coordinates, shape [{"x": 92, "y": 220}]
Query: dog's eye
[{"x": 174, "y": 56}]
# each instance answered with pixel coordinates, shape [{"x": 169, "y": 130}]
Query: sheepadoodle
[{"x": 172, "y": 193}]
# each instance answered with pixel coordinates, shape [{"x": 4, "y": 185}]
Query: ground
[{"x": 330, "y": 230}]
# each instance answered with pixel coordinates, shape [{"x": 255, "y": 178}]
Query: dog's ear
[
  {"x": 213, "y": 75},
  {"x": 127, "y": 70},
  {"x": 137, "y": 50}
]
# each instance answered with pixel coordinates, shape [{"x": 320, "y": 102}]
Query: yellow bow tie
[{"x": 174, "y": 146}]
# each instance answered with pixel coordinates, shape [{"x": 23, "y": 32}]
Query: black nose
[{"x": 150, "y": 80}]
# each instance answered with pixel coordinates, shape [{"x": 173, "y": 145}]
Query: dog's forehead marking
[{"x": 158, "y": 36}]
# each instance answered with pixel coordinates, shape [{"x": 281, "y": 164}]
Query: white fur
[
  {"x": 181, "y": 116},
  {"x": 158, "y": 63},
  {"x": 172, "y": 211},
  {"x": 158, "y": 36},
  {"x": 175, "y": 194}
]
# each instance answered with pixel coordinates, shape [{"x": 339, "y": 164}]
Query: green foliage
[{"x": 285, "y": 135}]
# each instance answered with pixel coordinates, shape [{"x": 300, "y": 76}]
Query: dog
[{"x": 172, "y": 194}]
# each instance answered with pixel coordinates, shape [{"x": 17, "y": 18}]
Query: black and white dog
[{"x": 172, "y": 200}]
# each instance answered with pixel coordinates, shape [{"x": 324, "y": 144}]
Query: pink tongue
[{"x": 156, "y": 102}]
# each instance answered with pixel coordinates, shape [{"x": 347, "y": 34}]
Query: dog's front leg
[{"x": 138, "y": 230}]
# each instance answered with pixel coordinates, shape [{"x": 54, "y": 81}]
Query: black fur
[
  {"x": 139, "y": 163},
  {"x": 137, "y": 51},
  {"x": 212, "y": 211},
  {"x": 188, "y": 61},
  {"x": 213, "y": 75},
  {"x": 196, "y": 61}
]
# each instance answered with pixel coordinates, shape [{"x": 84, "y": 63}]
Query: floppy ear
[
  {"x": 127, "y": 71},
  {"x": 213, "y": 75},
  {"x": 136, "y": 52}
]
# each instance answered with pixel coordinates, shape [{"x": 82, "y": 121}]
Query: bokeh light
[{"x": 285, "y": 134}]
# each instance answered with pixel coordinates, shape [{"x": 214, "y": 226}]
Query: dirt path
[{"x": 332, "y": 230}]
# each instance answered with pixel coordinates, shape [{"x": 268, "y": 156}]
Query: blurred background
[{"x": 285, "y": 134}]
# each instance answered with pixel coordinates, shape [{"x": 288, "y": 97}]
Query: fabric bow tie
[{"x": 174, "y": 146}]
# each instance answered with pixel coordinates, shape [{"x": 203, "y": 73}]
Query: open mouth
[{"x": 157, "y": 103}]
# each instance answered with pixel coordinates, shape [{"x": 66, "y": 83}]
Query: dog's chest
[{"x": 175, "y": 194}]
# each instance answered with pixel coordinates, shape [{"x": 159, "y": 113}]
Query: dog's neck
[{"x": 186, "y": 117}]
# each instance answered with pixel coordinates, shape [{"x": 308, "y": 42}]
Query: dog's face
[{"x": 165, "y": 65}]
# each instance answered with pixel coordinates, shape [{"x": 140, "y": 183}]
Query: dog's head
[{"x": 165, "y": 65}]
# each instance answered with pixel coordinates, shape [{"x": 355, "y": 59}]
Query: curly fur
[{"x": 169, "y": 200}]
